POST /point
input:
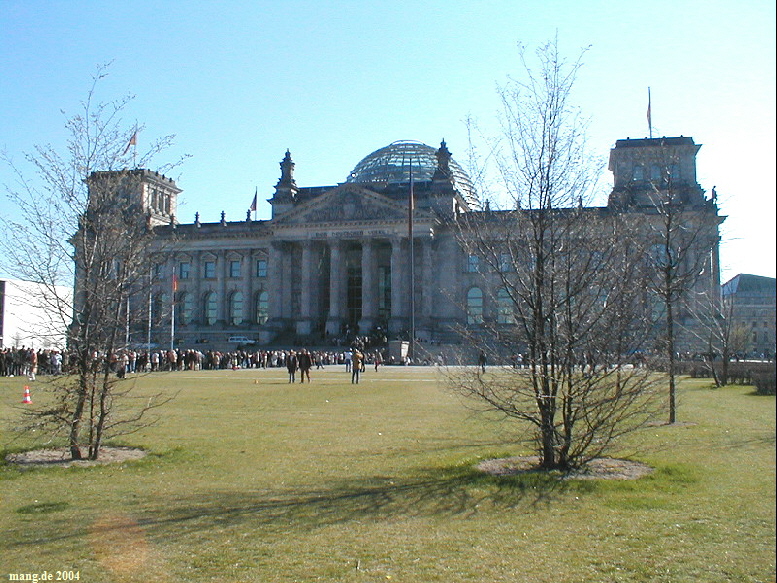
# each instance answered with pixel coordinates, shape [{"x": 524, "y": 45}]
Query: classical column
[
  {"x": 195, "y": 272},
  {"x": 286, "y": 265},
  {"x": 368, "y": 287},
  {"x": 427, "y": 278},
  {"x": 399, "y": 290},
  {"x": 274, "y": 281},
  {"x": 171, "y": 269},
  {"x": 304, "y": 323},
  {"x": 222, "y": 315},
  {"x": 336, "y": 288},
  {"x": 247, "y": 273}
]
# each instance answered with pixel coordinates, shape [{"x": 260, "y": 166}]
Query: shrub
[{"x": 764, "y": 382}]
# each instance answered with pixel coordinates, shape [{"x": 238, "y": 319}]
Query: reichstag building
[{"x": 334, "y": 261}]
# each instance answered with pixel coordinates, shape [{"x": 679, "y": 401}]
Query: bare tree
[
  {"x": 562, "y": 279},
  {"x": 82, "y": 224},
  {"x": 723, "y": 336},
  {"x": 682, "y": 231}
]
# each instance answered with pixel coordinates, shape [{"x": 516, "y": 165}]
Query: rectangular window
[
  {"x": 473, "y": 264},
  {"x": 261, "y": 268},
  {"x": 234, "y": 269},
  {"x": 183, "y": 270},
  {"x": 505, "y": 265},
  {"x": 209, "y": 269},
  {"x": 658, "y": 251}
]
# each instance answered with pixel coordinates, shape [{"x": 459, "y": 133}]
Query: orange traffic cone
[{"x": 27, "y": 399}]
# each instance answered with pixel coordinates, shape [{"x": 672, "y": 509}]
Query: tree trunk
[{"x": 672, "y": 362}]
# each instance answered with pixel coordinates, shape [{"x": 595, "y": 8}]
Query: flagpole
[
  {"x": 172, "y": 313},
  {"x": 127, "y": 324},
  {"x": 412, "y": 265},
  {"x": 150, "y": 285}
]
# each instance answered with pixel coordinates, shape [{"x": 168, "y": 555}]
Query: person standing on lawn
[
  {"x": 305, "y": 363},
  {"x": 291, "y": 365},
  {"x": 356, "y": 368}
]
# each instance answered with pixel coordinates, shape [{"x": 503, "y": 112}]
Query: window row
[
  {"x": 655, "y": 173},
  {"x": 505, "y": 308},
  {"x": 234, "y": 269},
  {"x": 474, "y": 263},
  {"x": 207, "y": 312}
]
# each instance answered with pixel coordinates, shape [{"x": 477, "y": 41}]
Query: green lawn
[{"x": 266, "y": 481}]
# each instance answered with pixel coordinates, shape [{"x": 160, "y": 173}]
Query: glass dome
[{"x": 392, "y": 164}]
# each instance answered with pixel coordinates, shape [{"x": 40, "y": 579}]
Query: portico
[{"x": 338, "y": 281}]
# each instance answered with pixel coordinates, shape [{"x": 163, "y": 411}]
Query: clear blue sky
[{"x": 239, "y": 82}]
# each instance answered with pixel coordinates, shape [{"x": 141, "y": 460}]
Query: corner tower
[
  {"x": 149, "y": 193},
  {"x": 647, "y": 170}
]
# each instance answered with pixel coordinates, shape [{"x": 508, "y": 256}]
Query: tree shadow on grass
[
  {"x": 435, "y": 493},
  {"x": 440, "y": 493}
]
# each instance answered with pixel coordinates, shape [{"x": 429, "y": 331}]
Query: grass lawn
[{"x": 249, "y": 478}]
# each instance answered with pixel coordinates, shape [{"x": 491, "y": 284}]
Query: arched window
[
  {"x": 475, "y": 306},
  {"x": 505, "y": 312},
  {"x": 210, "y": 308},
  {"x": 185, "y": 308},
  {"x": 236, "y": 308},
  {"x": 262, "y": 302}
]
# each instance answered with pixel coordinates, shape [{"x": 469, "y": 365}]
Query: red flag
[
  {"x": 253, "y": 204},
  {"x": 133, "y": 141}
]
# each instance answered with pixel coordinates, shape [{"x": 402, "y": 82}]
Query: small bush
[{"x": 764, "y": 383}]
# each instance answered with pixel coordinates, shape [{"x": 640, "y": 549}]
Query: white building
[{"x": 32, "y": 316}]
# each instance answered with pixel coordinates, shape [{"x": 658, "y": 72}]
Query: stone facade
[
  {"x": 335, "y": 260},
  {"x": 753, "y": 303}
]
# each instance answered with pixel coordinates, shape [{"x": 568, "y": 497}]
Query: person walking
[
  {"x": 291, "y": 366},
  {"x": 356, "y": 368},
  {"x": 482, "y": 361}
]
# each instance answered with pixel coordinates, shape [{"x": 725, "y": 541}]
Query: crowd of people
[
  {"x": 25, "y": 361},
  {"x": 29, "y": 362}
]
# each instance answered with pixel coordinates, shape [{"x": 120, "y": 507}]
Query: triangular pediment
[{"x": 346, "y": 203}]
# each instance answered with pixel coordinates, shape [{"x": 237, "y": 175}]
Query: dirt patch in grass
[
  {"x": 597, "y": 469},
  {"x": 61, "y": 457}
]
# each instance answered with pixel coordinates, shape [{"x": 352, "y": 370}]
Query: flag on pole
[
  {"x": 253, "y": 204},
  {"x": 175, "y": 284},
  {"x": 649, "y": 116},
  {"x": 133, "y": 141}
]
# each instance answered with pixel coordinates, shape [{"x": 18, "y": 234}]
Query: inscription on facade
[{"x": 351, "y": 234}]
